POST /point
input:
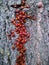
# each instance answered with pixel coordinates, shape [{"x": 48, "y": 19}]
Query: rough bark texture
[{"x": 37, "y": 52}]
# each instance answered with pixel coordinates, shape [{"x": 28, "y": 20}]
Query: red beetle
[{"x": 20, "y": 29}]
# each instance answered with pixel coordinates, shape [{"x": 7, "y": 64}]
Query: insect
[{"x": 20, "y": 29}]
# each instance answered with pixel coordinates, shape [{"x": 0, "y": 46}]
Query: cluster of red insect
[{"x": 20, "y": 17}]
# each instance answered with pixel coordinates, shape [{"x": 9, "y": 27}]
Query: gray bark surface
[{"x": 38, "y": 45}]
